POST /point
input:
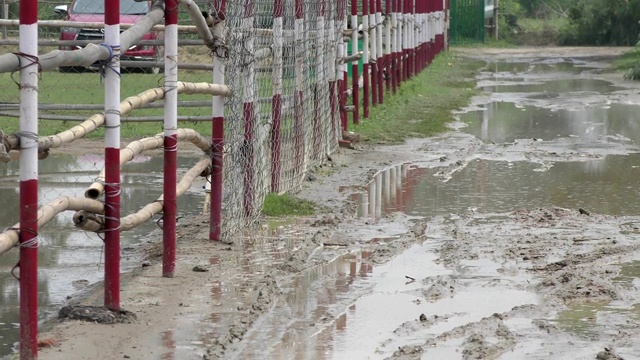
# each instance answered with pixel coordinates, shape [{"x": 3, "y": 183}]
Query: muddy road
[{"x": 513, "y": 236}]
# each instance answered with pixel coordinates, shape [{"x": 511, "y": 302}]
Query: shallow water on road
[
  {"x": 70, "y": 259},
  {"x": 546, "y": 130}
]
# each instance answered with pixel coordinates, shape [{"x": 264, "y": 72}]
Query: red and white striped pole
[
  {"x": 419, "y": 33},
  {"x": 432, "y": 29},
  {"x": 249, "y": 115},
  {"x": 407, "y": 39},
  {"x": 28, "y": 179},
  {"x": 217, "y": 130},
  {"x": 112, "y": 157},
  {"x": 394, "y": 45},
  {"x": 387, "y": 47},
  {"x": 373, "y": 68},
  {"x": 169, "y": 206},
  {"x": 342, "y": 67},
  {"x": 276, "y": 100},
  {"x": 441, "y": 21},
  {"x": 409, "y": 30},
  {"x": 412, "y": 45},
  {"x": 436, "y": 26},
  {"x": 379, "y": 52},
  {"x": 415, "y": 34},
  {"x": 331, "y": 67},
  {"x": 425, "y": 31},
  {"x": 320, "y": 78},
  {"x": 401, "y": 41},
  {"x": 298, "y": 134},
  {"x": 366, "y": 73},
  {"x": 354, "y": 65}
]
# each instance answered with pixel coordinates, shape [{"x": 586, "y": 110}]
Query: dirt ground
[{"x": 235, "y": 300}]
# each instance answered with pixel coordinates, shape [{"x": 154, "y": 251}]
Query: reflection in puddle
[
  {"x": 68, "y": 255},
  {"x": 331, "y": 308},
  {"x": 556, "y": 86},
  {"x": 389, "y": 191},
  {"x": 604, "y": 186},
  {"x": 504, "y": 122},
  {"x": 513, "y": 68}
]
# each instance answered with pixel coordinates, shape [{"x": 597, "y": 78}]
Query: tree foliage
[
  {"x": 588, "y": 22},
  {"x": 603, "y": 22}
]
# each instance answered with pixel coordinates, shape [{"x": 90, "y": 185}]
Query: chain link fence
[{"x": 283, "y": 119}]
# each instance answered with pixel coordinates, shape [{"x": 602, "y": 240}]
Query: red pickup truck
[{"x": 93, "y": 11}]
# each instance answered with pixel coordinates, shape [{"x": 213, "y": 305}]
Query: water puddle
[
  {"x": 593, "y": 320},
  {"x": 505, "y": 122},
  {"x": 555, "y": 86},
  {"x": 383, "y": 304},
  {"x": 523, "y": 68},
  {"x": 70, "y": 260},
  {"x": 565, "y": 124},
  {"x": 604, "y": 186}
]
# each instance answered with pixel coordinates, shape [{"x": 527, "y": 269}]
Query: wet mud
[{"x": 513, "y": 236}]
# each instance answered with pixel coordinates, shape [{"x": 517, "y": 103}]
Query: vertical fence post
[
  {"x": 217, "y": 128},
  {"x": 401, "y": 44},
  {"x": 332, "y": 66},
  {"x": 387, "y": 45},
  {"x": 379, "y": 55},
  {"x": 317, "y": 88},
  {"x": 276, "y": 102},
  {"x": 432, "y": 30},
  {"x": 169, "y": 207},
  {"x": 342, "y": 68},
  {"x": 420, "y": 32},
  {"x": 366, "y": 72},
  {"x": 409, "y": 38},
  {"x": 354, "y": 65},
  {"x": 28, "y": 236},
  {"x": 112, "y": 157},
  {"x": 436, "y": 30},
  {"x": 371, "y": 15},
  {"x": 394, "y": 45},
  {"x": 425, "y": 35},
  {"x": 437, "y": 27},
  {"x": 248, "y": 107},
  {"x": 299, "y": 95}
]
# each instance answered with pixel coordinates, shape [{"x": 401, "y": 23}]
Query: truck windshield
[{"x": 127, "y": 7}]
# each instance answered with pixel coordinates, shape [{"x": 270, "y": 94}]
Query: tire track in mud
[
  {"x": 566, "y": 257},
  {"x": 310, "y": 257}
]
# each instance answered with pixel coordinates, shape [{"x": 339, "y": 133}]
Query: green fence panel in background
[{"x": 467, "y": 21}]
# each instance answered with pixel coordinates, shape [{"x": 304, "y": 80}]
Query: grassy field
[
  {"x": 423, "y": 105},
  {"x": 87, "y": 88}
]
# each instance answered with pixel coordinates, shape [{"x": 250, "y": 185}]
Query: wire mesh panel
[{"x": 281, "y": 122}]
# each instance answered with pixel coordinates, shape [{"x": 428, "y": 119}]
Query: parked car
[{"x": 93, "y": 11}]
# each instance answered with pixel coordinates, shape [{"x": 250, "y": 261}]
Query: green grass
[
  {"x": 628, "y": 60},
  {"x": 287, "y": 205},
  {"x": 422, "y": 107},
  {"x": 87, "y": 88},
  {"x": 629, "y": 63}
]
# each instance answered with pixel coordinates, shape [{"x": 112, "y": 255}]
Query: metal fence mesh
[{"x": 307, "y": 121}]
